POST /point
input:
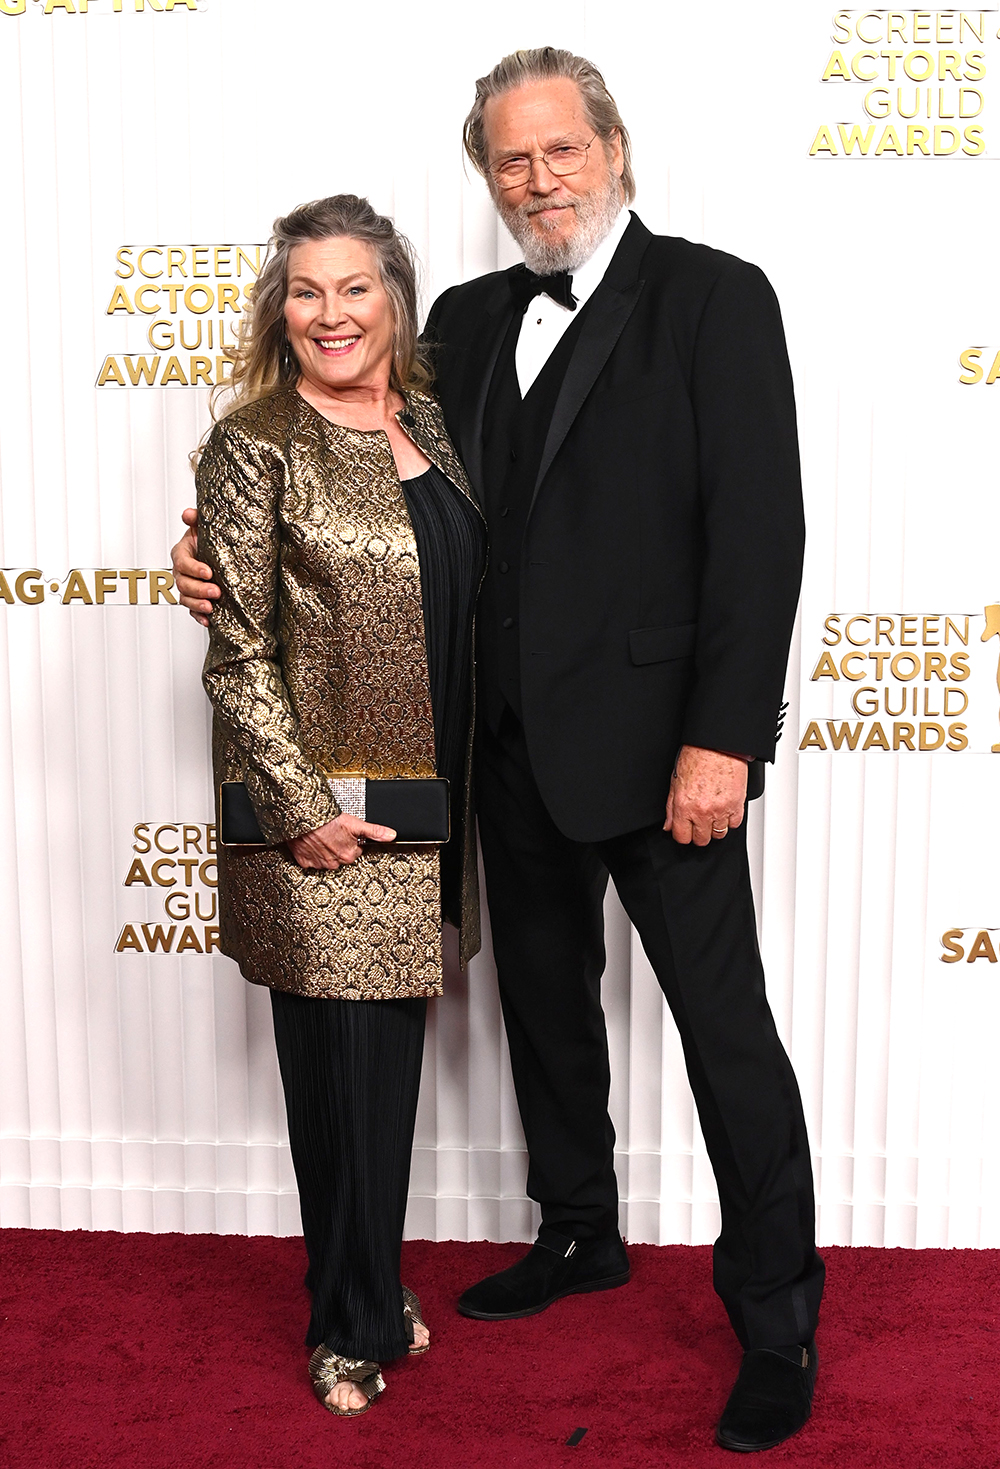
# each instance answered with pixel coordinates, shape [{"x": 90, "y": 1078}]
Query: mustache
[{"x": 541, "y": 205}]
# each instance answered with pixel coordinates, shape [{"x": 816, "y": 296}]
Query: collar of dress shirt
[{"x": 590, "y": 274}]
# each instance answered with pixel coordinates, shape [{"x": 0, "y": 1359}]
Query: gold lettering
[
  {"x": 940, "y": 150},
  {"x": 110, "y": 372},
  {"x": 29, "y": 589},
  {"x": 133, "y": 578},
  {"x": 163, "y": 882},
  {"x": 158, "y": 938},
  {"x": 143, "y": 369},
  {"x": 170, "y": 851},
  {"x": 896, "y": 666},
  {"x": 876, "y": 738},
  {"x": 840, "y": 733},
  {"x": 119, "y": 302},
  {"x": 187, "y": 938},
  {"x": 982, "y": 948},
  {"x": 954, "y": 949},
  {"x": 137, "y": 873},
  {"x": 151, "y": 275},
  {"x": 160, "y": 583},
  {"x": 969, "y": 359},
  {"x": 173, "y": 373},
  {"x": 825, "y": 668},
  {"x": 889, "y": 143},
  {"x": 76, "y": 590},
  {"x": 104, "y": 582}
]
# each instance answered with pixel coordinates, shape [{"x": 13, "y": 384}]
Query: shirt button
[
  {"x": 508, "y": 622},
  {"x": 503, "y": 566},
  {"x": 504, "y": 509}
]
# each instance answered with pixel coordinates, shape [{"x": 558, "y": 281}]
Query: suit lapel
[
  {"x": 609, "y": 311},
  {"x": 610, "y": 308},
  {"x": 481, "y": 361}
]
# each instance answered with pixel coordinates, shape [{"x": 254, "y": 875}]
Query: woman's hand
[
  {"x": 338, "y": 843},
  {"x": 192, "y": 577}
]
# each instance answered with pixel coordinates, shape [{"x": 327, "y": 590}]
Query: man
[{"x": 624, "y": 407}]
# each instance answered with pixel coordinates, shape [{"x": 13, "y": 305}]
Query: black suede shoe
[
  {"x": 552, "y": 1268},
  {"x": 772, "y": 1399}
]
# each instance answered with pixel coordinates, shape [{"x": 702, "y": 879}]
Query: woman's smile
[{"x": 336, "y": 346}]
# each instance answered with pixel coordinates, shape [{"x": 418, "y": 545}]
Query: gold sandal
[
  {"x": 326, "y": 1369},
  {"x": 413, "y": 1316}
]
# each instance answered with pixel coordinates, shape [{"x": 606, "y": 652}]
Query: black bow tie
[{"x": 525, "y": 286}]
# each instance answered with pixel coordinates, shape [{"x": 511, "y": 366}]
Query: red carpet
[{"x": 177, "y": 1352}]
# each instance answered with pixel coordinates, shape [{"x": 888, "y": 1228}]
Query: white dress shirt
[{"x": 545, "y": 320}]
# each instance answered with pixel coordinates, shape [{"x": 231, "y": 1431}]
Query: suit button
[
  {"x": 503, "y": 566},
  {"x": 508, "y": 622},
  {"x": 513, "y": 457},
  {"x": 504, "y": 509}
]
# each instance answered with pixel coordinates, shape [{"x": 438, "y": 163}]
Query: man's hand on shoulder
[
  {"x": 192, "y": 577},
  {"x": 708, "y": 792}
]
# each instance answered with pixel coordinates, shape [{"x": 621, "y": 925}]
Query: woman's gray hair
[{"x": 540, "y": 64}]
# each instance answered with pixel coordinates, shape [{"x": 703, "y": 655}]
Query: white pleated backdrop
[{"x": 139, "y": 1091}]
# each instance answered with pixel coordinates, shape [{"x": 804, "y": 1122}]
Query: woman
[{"x": 337, "y": 520}]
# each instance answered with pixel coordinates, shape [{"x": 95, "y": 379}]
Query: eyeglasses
[{"x": 564, "y": 159}]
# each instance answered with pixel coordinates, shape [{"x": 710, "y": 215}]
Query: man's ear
[{"x": 618, "y": 158}]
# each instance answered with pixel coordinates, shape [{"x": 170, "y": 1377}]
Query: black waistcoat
[{"x": 514, "y": 432}]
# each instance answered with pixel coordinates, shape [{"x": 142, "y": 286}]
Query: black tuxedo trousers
[{"x": 693, "y": 910}]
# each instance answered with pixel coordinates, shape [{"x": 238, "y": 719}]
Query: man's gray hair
[{"x": 540, "y": 64}]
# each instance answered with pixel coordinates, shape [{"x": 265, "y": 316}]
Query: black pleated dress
[{"x": 350, "y": 1069}]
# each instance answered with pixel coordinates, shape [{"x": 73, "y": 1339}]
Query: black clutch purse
[{"x": 417, "y": 810}]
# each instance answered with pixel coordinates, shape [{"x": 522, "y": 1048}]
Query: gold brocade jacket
[{"x": 317, "y": 666}]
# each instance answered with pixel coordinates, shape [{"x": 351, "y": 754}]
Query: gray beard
[{"x": 596, "y": 213}]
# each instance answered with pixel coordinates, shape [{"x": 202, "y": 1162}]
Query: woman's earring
[{"x": 286, "y": 359}]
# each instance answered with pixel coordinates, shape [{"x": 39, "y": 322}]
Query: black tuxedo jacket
[{"x": 662, "y": 556}]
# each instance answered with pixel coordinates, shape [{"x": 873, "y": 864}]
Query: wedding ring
[{"x": 720, "y": 830}]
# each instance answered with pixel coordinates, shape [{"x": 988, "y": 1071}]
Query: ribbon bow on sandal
[{"x": 326, "y": 1370}]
